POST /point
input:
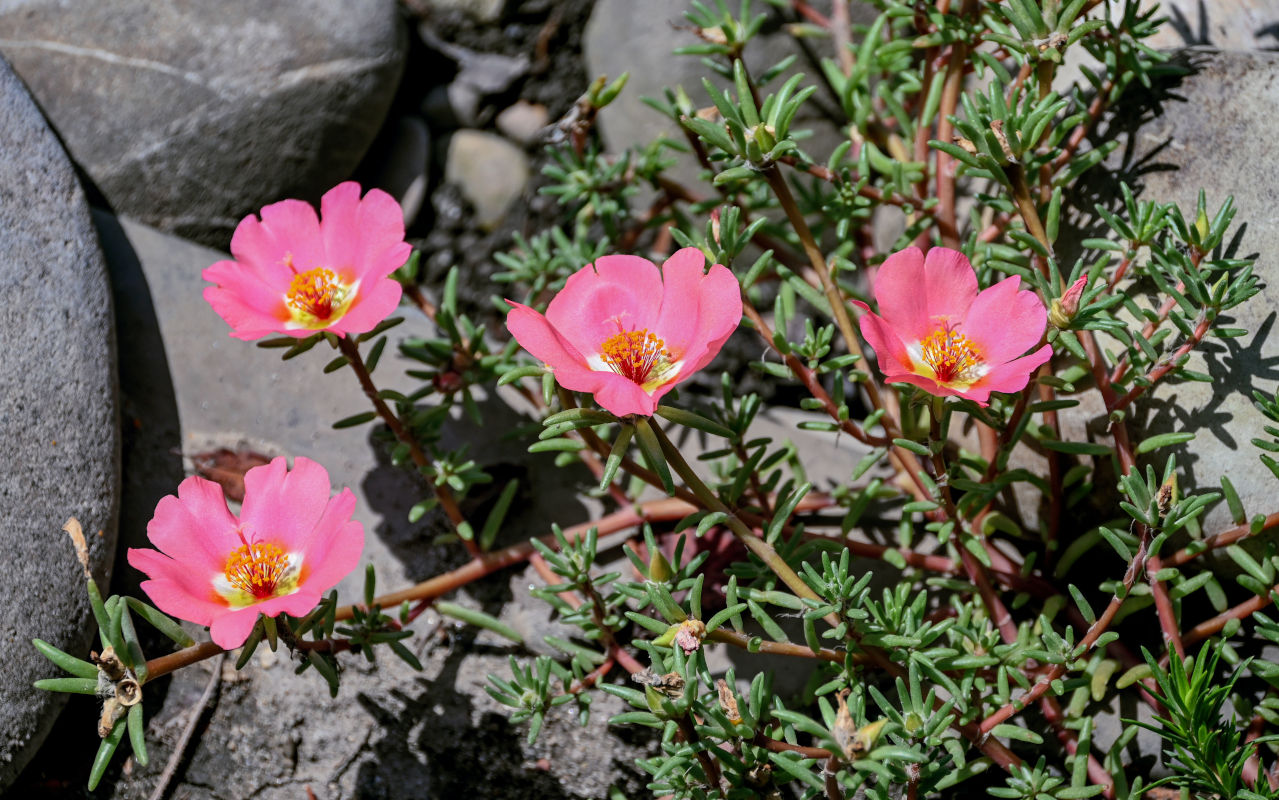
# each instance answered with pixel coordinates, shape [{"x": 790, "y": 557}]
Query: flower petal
[
  {"x": 902, "y": 294},
  {"x": 338, "y": 541},
  {"x": 231, "y": 629},
  {"x": 1013, "y": 375},
  {"x": 622, "y": 396},
  {"x": 680, "y": 315},
  {"x": 928, "y": 385},
  {"x": 620, "y": 293},
  {"x": 362, "y": 237},
  {"x": 195, "y": 528},
  {"x": 282, "y": 506},
  {"x": 175, "y": 588},
  {"x": 535, "y": 334},
  {"x": 376, "y": 299},
  {"x": 1004, "y": 322},
  {"x": 951, "y": 284},
  {"x": 699, "y": 311},
  {"x": 244, "y": 302},
  {"x": 893, "y": 357}
]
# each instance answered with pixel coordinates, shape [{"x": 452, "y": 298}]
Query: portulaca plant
[{"x": 980, "y": 664}]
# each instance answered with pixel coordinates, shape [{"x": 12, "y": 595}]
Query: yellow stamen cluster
[
  {"x": 950, "y": 355},
  {"x": 315, "y": 292},
  {"x": 635, "y": 355},
  {"x": 256, "y": 569}
]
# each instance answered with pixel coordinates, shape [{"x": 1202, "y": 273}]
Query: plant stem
[
  {"x": 836, "y": 300},
  {"x": 709, "y": 766},
  {"x": 1223, "y": 539},
  {"x": 1029, "y": 213},
  {"x": 976, "y": 572},
  {"x": 838, "y": 307},
  {"x": 947, "y": 221},
  {"x": 1240, "y": 612},
  {"x": 1094, "y": 632},
  {"x": 808, "y": 377},
  {"x": 420, "y": 459},
  {"x": 165, "y": 664},
  {"x": 486, "y": 563},
  {"x": 742, "y": 641},
  {"x": 709, "y": 500}
]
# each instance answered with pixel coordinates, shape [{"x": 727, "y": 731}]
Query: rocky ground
[{"x": 177, "y": 134}]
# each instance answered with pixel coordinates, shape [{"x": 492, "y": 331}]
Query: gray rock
[
  {"x": 463, "y": 103},
  {"x": 523, "y": 122},
  {"x": 1224, "y": 24},
  {"x": 438, "y": 107},
  {"x": 490, "y": 171},
  {"x": 1169, "y": 158},
  {"x": 479, "y": 10},
  {"x": 480, "y": 75},
  {"x": 58, "y": 423},
  {"x": 190, "y": 116}
]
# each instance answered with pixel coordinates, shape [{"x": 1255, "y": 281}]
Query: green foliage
[
  {"x": 1208, "y": 754},
  {"x": 927, "y": 654},
  {"x": 1017, "y": 559}
]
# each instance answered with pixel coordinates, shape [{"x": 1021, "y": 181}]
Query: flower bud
[
  {"x": 659, "y": 569},
  {"x": 1202, "y": 226},
  {"x": 1064, "y": 309}
]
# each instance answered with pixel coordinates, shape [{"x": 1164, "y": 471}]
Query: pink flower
[
  {"x": 627, "y": 332},
  {"x": 290, "y": 544},
  {"x": 940, "y": 333},
  {"x": 296, "y": 274}
]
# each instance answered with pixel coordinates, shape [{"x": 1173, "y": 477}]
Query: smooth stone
[
  {"x": 58, "y": 423},
  {"x": 479, "y": 10},
  {"x": 1183, "y": 148},
  {"x": 490, "y": 171},
  {"x": 1223, "y": 24},
  {"x": 439, "y": 111},
  {"x": 189, "y": 116},
  {"x": 523, "y": 122},
  {"x": 1191, "y": 136}
]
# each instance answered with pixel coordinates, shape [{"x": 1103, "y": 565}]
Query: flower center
[
  {"x": 316, "y": 293},
  {"x": 951, "y": 356},
  {"x": 638, "y": 356},
  {"x": 257, "y": 569}
]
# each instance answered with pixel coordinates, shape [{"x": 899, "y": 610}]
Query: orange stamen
[
  {"x": 256, "y": 569},
  {"x": 314, "y": 292},
  {"x": 950, "y": 355},
  {"x": 635, "y": 355}
]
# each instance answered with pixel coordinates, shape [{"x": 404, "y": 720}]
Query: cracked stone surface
[
  {"x": 189, "y": 116},
  {"x": 58, "y": 420}
]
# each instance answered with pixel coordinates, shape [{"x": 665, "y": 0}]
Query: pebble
[
  {"x": 523, "y": 122},
  {"x": 490, "y": 171}
]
